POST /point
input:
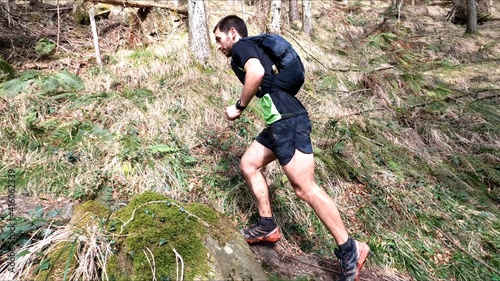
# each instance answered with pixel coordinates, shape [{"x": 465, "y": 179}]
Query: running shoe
[
  {"x": 262, "y": 233},
  {"x": 351, "y": 262}
]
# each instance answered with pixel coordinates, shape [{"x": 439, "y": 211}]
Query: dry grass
[{"x": 351, "y": 67}]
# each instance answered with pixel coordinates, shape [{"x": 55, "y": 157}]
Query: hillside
[{"x": 405, "y": 128}]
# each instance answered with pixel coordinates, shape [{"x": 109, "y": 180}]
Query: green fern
[
  {"x": 49, "y": 85},
  {"x": 60, "y": 82},
  {"x": 71, "y": 133},
  {"x": 18, "y": 85},
  {"x": 44, "y": 84},
  {"x": 45, "y": 47},
  {"x": 69, "y": 81},
  {"x": 382, "y": 40},
  {"x": 84, "y": 100},
  {"x": 489, "y": 111}
]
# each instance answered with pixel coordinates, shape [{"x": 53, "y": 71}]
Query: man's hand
[{"x": 232, "y": 113}]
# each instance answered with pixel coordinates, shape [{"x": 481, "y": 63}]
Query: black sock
[
  {"x": 268, "y": 223},
  {"x": 347, "y": 246}
]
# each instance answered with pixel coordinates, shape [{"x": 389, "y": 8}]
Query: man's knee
[
  {"x": 305, "y": 192},
  {"x": 246, "y": 166},
  {"x": 299, "y": 192}
]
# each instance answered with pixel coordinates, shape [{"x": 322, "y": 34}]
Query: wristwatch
[{"x": 239, "y": 106}]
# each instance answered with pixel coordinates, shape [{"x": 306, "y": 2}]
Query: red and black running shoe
[
  {"x": 262, "y": 233},
  {"x": 352, "y": 261}
]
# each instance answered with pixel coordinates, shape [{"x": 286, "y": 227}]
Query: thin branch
[
  {"x": 151, "y": 265},
  {"x": 399, "y": 10},
  {"x": 96, "y": 38},
  {"x": 290, "y": 33},
  {"x": 376, "y": 28},
  {"x": 382, "y": 68},
  {"x": 177, "y": 258},
  {"x": 317, "y": 60},
  {"x": 9, "y": 20},
  {"x": 58, "y": 43},
  {"x": 485, "y": 98}
]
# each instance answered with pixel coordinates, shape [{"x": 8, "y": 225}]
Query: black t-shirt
[
  {"x": 276, "y": 104},
  {"x": 243, "y": 51}
]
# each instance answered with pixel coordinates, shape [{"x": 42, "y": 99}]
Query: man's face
[{"x": 225, "y": 41}]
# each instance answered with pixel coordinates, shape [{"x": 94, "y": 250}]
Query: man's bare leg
[
  {"x": 300, "y": 173},
  {"x": 266, "y": 230},
  {"x": 352, "y": 253},
  {"x": 255, "y": 158}
]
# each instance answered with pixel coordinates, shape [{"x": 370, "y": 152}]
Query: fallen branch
[{"x": 142, "y": 4}]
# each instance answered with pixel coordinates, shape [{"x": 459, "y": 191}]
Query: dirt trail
[{"x": 278, "y": 260}]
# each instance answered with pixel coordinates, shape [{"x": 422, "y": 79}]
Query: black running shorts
[{"x": 284, "y": 136}]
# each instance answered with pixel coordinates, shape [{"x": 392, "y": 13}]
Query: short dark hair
[{"x": 232, "y": 21}]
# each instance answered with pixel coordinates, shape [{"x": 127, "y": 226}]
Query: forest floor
[{"x": 283, "y": 261}]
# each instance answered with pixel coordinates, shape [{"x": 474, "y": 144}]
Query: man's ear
[{"x": 233, "y": 33}]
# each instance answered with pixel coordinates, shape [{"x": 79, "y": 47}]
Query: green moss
[
  {"x": 150, "y": 227},
  {"x": 89, "y": 212},
  {"x": 119, "y": 267},
  {"x": 161, "y": 227}
]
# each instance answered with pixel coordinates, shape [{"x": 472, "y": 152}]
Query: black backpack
[{"x": 289, "y": 73}]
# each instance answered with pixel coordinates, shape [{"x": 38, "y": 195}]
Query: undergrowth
[{"x": 408, "y": 152}]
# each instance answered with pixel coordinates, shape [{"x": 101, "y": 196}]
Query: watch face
[{"x": 238, "y": 105}]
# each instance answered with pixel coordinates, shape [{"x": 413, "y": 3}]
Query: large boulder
[
  {"x": 152, "y": 238},
  {"x": 161, "y": 236}
]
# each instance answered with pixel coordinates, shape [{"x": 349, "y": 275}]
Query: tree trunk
[
  {"x": 198, "y": 30},
  {"x": 472, "y": 17},
  {"x": 275, "y": 16},
  {"x": 294, "y": 11},
  {"x": 307, "y": 17},
  {"x": 264, "y": 7}
]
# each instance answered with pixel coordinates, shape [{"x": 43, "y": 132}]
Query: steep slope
[{"x": 405, "y": 131}]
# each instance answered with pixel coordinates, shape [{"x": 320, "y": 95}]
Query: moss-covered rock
[
  {"x": 160, "y": 236},
  {"x": 152, "y": 235}
]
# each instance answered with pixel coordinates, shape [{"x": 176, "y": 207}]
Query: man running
[{"x": 287, "y": 139}]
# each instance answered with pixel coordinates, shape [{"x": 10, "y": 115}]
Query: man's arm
[
  {"x": 254, "y": 73},
  {"x": 253, "y": 77}
]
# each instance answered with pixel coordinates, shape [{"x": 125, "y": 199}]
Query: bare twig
[
  {"x": 178, "y": 258},
  {"x": 96, "y": 38},
  {"x": 382, "y": 68},
  {"x": 151, "y": 265},
  {"x": 399, "y": 10},
  {"x": 376, "y": 28},
  {"x": 58, "y": 25}
]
